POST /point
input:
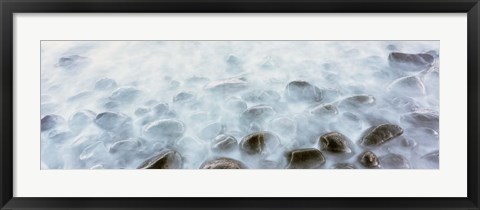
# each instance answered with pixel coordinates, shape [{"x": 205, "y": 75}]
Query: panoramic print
[{"x": 240, "y": 105}]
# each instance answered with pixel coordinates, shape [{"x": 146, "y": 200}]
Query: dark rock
[
  {"x": 259, "y": 143},
  {"x": 381, "y": 134},
  {"x": 111, "y": 121},
  {"x": 105, "y": 84},
  {"x": 410, "y": 62},
  {"x": 261, "y": 96},
  {"x": 223, "y": 163},
  {"x": 305, "y": 159},
  {"x": 369, "y": 160},
  {"x": 335, "y": 142},
  {"x": 168, "y": 159},
  {"x": 125, "y": 94},
  {"x": 302, "y": 91},
  {"x": 344, "y": 166},
  {"x": 224, "y": 143},
  {"x": 50, "y": 121},
  {"x": 394, "y": 161},
  {"x": 421, "y": 118},
  {"x": 227, "y": 86},
  {"x": 164, "y": 129}
]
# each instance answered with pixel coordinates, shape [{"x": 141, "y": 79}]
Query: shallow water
[{"x": 257, "y": 104}]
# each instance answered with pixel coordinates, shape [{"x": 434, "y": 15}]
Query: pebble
[
  {"x": 259, "y": 143},
  {"x": 381, "y": 134},
  {"x": 223, "y": 163},
  {"x": 305, "y": 159},
  {"x": 168, "y": 159}
]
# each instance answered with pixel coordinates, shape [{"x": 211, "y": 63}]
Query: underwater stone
[
  {"x": 394, "y": 161},
  {"x": 224, "y": 143},
  {"x": 111, "y": 121},
  {"x": 164, "y": 129},
  {"x": 302, "y": 91},
  {"x": 50, "y": 121},
  {"x": 105, "y": 84}
]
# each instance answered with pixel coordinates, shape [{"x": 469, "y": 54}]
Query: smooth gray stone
[
  {"x": 394, "y": 161},
  {"x": 224, "y": 143},
  {"x": 421, "y": 118},
  {"x": 113, "y": 121},
  {"x": 105, "y": 84},
  {"x": 164, "y": 129},
  {"x": 302, "y": 91},
  {"x": 50, "y": 121},
  {"x": 125, "y": 94}
]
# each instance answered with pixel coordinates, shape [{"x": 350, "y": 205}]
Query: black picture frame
[{"x": 9, "y": 7}]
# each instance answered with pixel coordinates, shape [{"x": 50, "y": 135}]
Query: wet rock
[
  {"x": 335, "y": 142},
  {"x": 380, "y": 134},
  {"x": 210, "y": 131},
  {"x": 324, "y": 110},
  {"x": 234, "y": 64},
  {"x": 80, "y": 97},
  {"x": 408, "y": 142},
  {"x": 302, "y": 91},
  {"x": 168, "y": 129},
  {"x": 369, "y": 160},
  {"x": 235, "y": 104},
  {"x": 394, "y": 161},
  {"x": 258, "y": 114},
  {"x": 111, "y": 105},
  {"x": 160, "y": 109},
  {"x": 125, "y": 146},
  {"x": 50, "y": 121},
  {"x": 226, "y": 86},
  {"x": 70, "y": 61},
  {"x": 358, "y": 101},
  {"x": 168, "y": 159},
  {"x": 79, "y": 120},
  {"x": 259, "y": 143},
  {"x": 125, "y": 94},
  {"x": 105, "y": 84},
  {"x": 344, "y": 166},
  {"x": 261, "y": 96},
  {"x": 408, "y": 86},
  {"x": 60, "y": 135},
  {"x": 283, "y": 126},
  {"x": 224, "y": 143},
  {"x": 410, "y": 62},
  {"x": 305, "y": 159},
  {"x": 196, "y": 80},
  {"x": 433, "y": 157},
  {"x": 141, "y": 111},
  {"x": 223, "y": 163},
  {"x": 351, "y": 120},
  {"x": 183, "y": 97},
  {"x": 111, "y": 121},
  {"x": 421, "y": 118},
  {"x": 405, "y": 104}
]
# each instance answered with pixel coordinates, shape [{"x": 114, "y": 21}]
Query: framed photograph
[{"x": 319, "y": 104}]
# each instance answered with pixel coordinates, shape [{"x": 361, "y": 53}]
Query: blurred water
[{"x": 115, "y": 104}]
